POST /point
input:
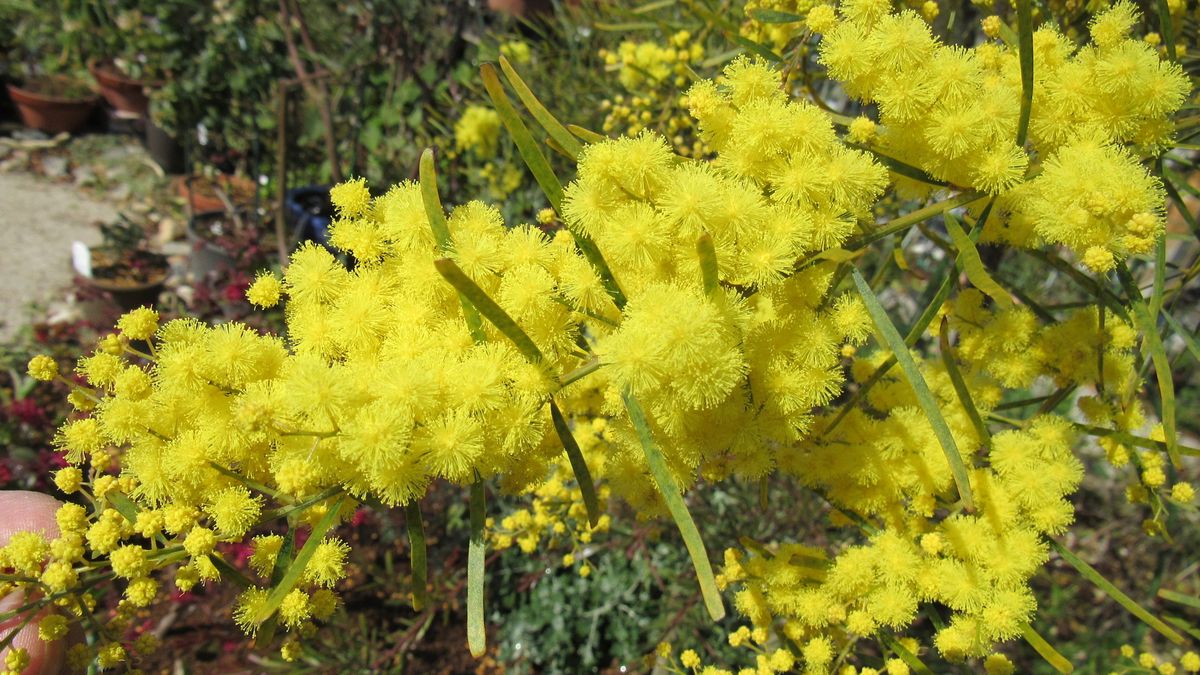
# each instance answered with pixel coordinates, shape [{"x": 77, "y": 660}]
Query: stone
[{"x": 54, "y": 166}]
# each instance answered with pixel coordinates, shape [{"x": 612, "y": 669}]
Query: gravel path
[{"x": 40, "y": 220}]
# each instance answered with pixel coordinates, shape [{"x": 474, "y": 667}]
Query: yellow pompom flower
[
  {"x": 52, "y": 627},
  {"x": 43, "y": 368},
  {"x": 234, "y": 511},
  {"x": 266, "y": 290},
  {"x": 139, "y": 324},
  {"x": 351, "y": 198}
]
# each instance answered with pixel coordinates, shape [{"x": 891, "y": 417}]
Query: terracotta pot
[
  {"x": 52, "y": 114},
  {"x": 201, "y": 196},
  {"x": 122, "y": 93},
  {"x": 207, "y": 256},
  {"x": 126, "y": 293}
]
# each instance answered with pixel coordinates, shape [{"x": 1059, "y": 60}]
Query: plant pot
[
  {"x": 125, "y": 95},
  {"x": 131, "y": 286},
  {"x": 50, "y": 113},
  {"x": 208, "y": 257},
  {"x": 163, "y": 148},
  {"x": 309, "y": 212},
  {"x": 201, "y": 196}
]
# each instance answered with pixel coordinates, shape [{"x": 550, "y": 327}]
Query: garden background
[{"x": 210, "y": 156}]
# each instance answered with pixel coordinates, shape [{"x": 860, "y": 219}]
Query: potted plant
[
  {"x": 217, "y": 192},
  {"x": 122, "y": 267},
  {"x": 47, "y": 81},
  {"x": 142, "y": 44}
]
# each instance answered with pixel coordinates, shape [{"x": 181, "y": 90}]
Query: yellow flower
[{"x": 42, "y": 367}]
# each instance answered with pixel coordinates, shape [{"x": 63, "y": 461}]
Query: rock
[
  {"x": 169, "y": 230},
  {"x": 25, "y": 134},
  {"x": 84, "y": 176},
  {"x": 54, "y": 166},
  {"x": 120, "y": 193}
]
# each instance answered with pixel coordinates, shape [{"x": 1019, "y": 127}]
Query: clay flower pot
[
  {"x": 50, "y": 113},
  {"x": 125, "y": 95},
  {"x": 200, "y": 195},
  {"x": 132, "y": 280}
]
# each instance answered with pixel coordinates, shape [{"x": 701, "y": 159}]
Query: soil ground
[{"x": 40, "y": 220}]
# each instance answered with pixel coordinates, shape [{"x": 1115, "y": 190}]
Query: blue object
[{"x": 309, "y": 213}]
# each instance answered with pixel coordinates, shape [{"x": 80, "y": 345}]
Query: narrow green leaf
[
  {"x": 968, "y": 257},
  {"x": 544, "y": 175},
  {"x": 544, "y": 117},
  {"x": 476, "y": 635},
  {"x": 960, "y": 386},
  {"x": 586, "y": 135},
  {"x": 253, "y": 485},
  {"x": 1158, "y": 354},
  {"x": 124, "y": 505},
  {"x": 1168, "y": 30},
  {"x": 433, "y": 203},
  {"x": 679, "y": 512},
  {"x": 292, "y": 576},
  {"x": 924, "y": 397},
  {"x": 526, "y": 145},
  {"x": 910, "y": 659},
  {"x": 479, "y": 300},
  {"x": 772, "y": 16},
  {"x": 1169, "y": 179},
  {"x": 901, "y": 168},
  {"x": 653, "y": 6},
  {"x": 266, "y": 632},
  {"x": 1179, "y": 598},
  {"x": 1025, "y": 47},
  {"x": 1188, "y": 339},
  {"x": 626, "y": 27},
  {"x": 285, "y": 511},
  {"x": 1043, "y": 648},
  {"x": 754, "y": 46},
  {"x": 416, "y": 554},
  {"x": 908, "y": 220},
  {"x": 436, "y": 215},
  {"x": 578, "y": 464},
  {"x": 708, "y": 264},
  {"x": 230, "y": 572},
  {"x": 1088, "y": 572}
]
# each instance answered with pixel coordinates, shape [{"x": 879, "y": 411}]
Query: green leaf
[
  {"x": 479, "y": 300},
  {"x": 924, "y": 397},
  {"x": 1025, "y": 48},
  {"x": 679, "y": 511},
  {"x": 910, "y": 659},
  {"x": 1188, "y": 339},
  {"x": 544, "y": 175},
  {"x": 292, "y": 576},
  {"x": 968, "y": 257},
  {"x": 526, "y": 145},
  {"x": 960, "y": 386},
  {"x": 1158, "y": 354},
  {"x": 416, "y": 554},
  {"x": 1088, "y": 572},
  {"x": 587, "y": 135},
  {"x": 708, "y": 264},
  {"x": 578, "y": 464},
  {"x": 476, "y": 635},
  {"x": 432, "y": 201},
  {"x": 771, "y": 16},
  {"x": 1043, "y": 648},
  {"x": 552, "y": 126},
  {"x": 266, "y": 632},
  {"x": 124, "y": 505},
  {"x": 1168, "y": 30},
  {"x": 1179, "y": 598},
  {"x": 441, "y": 232},
  {"x": 230, "y": 571}
]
